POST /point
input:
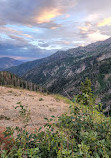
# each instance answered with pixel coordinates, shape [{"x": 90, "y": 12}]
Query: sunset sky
[{"x": 32, "y": 29}]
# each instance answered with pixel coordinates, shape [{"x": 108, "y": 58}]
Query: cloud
[
  {"x": 97, "y": 36},
  {"x": 31, "y": 13},
  {"x": 97, "y": 7},
  {"x": 87, "y": 26},
  {"x": 105, "y": 22},
  {"x": 9, "y": 30},
  {"x": 43, "y": 44},
  {"x": 18, "y": 40},
  {"x": 46, "y": 15},
  {"x": 25, "y": 52},
  {"x": 59, "y": 24},
  {"x": 50, "y": 25}
]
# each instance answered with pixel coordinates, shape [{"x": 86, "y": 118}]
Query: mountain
[
  {"x": 27, "y": 66},
  {"x": 63, "y": 72},
  {"x": 7, "y": 62},
  {"x": 57, "y": 57},
  {"x": 75, "y": 53}
]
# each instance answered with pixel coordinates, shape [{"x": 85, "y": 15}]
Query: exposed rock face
[
  {"x": 104, "y": 56},
  {"x": 82, "y": 68}
]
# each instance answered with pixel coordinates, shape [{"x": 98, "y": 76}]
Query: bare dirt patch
[{"x": 40, "y": 105}]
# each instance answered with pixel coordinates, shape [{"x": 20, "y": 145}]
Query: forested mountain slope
[
  {"x": 66, "y": 74},
  {"x": 75, "y": 53},
  {"x": 63, "y": 71},
  {"x": 11, "y": 80}
]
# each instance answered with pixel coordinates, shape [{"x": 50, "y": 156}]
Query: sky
[{"x": 33, "y": 29}]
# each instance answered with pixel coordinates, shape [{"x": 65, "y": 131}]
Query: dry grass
[{"x": 40, "y": 108}]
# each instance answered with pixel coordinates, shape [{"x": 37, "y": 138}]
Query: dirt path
[{"x": 40, "y": 105}]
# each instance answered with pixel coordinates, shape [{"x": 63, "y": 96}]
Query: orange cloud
[
  {"x": 28, "y": 36},
  {"x": 105, "y": 22},
  {"x": 66, "y": 42},
  {"x": 47, "y": 15},
  {"x": 11, "y": 31},
  {"x": 85, "y": 29},
  {"x": 53, "y": 28}
]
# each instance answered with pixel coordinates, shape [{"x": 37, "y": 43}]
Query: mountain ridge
[
  {"x": 65, "y": 70},
  {"x": 73, "y": 52},
  {"x": 6, "y": 62}
]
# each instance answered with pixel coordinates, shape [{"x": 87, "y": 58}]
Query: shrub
[
  {"x": 6, "y": 143},
  {"x": 83, "y": 132},
  {"x": 41, "y": 99}
]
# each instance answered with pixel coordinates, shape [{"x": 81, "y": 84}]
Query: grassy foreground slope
[
  {"x": 83, "y": 132},
  {"x": 41, "y": 105}
]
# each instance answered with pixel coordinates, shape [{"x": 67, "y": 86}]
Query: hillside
[
  {"x": 78, "y": 131},
  {"x": 74, "y": 55},
  {"x": 41, "y": 106},
  {"x": 63, "y": 71},
  {"x": 9, "y": 79},
  {"x": 7, "y": 62},
  {"x": 66, "y": 74}
]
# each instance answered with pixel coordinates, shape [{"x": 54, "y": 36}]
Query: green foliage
[
  {"x": 60, "y": 97},
  {"x": 24, "y": 113},
  {"x": 41, "y": 99},
  {"x": 83, "y": 132},
  {"x": 11, "y": 80},
  {"x": 86, "y": 97},
  {"x": 86, "y": 87},
  {"x": 107, "y": 97},
  {"x": 105, "y": 67}
]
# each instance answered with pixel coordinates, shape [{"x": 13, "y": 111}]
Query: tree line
[{"x": 8, "y": 79}]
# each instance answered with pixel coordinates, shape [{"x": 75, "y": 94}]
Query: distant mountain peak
[{"x": 7, "y": 62}]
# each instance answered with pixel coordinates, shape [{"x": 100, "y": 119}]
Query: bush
[{"x": 83, "y": 132}]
